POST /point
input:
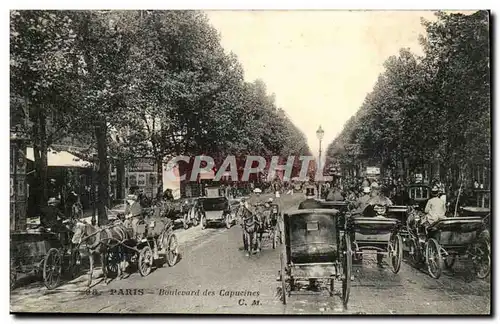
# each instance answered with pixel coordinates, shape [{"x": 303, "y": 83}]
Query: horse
[
  {"x": 251, "y": 225},
  {"x": 265, "y": 224},
  {"x": 103, "y": 241}
]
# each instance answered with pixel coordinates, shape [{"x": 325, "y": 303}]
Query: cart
[
  {"x": 376, "y": 235},
  {"x": 216, "y": 210},
  {"x": 44, "y": 254},
  {"x": 315, "y": 249},
  {"x": 269, "y": 229},
  {"x": 441, "y": 244}
]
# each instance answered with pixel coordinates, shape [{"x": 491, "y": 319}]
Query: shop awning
[{"x": 60, "y": 159}]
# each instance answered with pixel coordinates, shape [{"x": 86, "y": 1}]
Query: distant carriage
[
  {"x": 187, "y": 210},
  {"x": 216, "y": 210}
]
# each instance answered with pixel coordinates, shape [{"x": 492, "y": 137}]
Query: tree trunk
[
  {"x": 103, "y": 174},
  {"x": 40, "y": 157},
  {"x": 120, "y": 180},
  {"x": 159, "y": 170}
]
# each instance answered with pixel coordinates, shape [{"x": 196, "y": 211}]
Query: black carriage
[
  {"x": 216, "y": 210},
  {"x": 315, "y": 249},
  {"x": 418, "y": 195},
  {"x": 185, "y": 210},
  {"x": 376, "y": 235},
  {"x": 439, "y": 245},
  {"x": 45, "y": 254}
]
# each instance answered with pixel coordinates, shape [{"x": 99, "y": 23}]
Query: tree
[{"x": 43, "y": 70}]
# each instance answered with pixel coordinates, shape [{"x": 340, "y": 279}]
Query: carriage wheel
[
  {"x": 52, "y": 265},
  {"x": 145, "y": 262},
  {"x": 228, "y": 221},
  {"x": 396, "y": 252},
  {"x": 346, "y": 268},
  {"x": 449, "y": 261},
  {"x": 185, "y": 223},
  {"x": 203, "y": 222},
  {"x": 283, "y": 279},
  {"x": 172, "y": 250},
  {"x": 481, "y": 259},
  {"x": 75, "y": 263},
  {"x": 112, "y": 262},
  {"x": 414, "y": 252},
  {"x": 434, "y": 258}
]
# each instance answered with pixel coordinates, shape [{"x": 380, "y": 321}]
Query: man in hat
[
  {"x": 363, "y": 201},
  {"x": 377, "y": 197},
  {"x": 310, "y": 202},
  {"x": 435, "y": 208}
]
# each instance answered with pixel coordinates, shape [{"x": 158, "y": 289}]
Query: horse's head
[
  {"x": 82, "y": 230},
  {"x": 78, "y": 232}
]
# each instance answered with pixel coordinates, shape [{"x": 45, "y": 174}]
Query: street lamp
[{"x": 320, "y": 133}]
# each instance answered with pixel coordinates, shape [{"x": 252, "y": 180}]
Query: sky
[{"x": 320, "y": 64}]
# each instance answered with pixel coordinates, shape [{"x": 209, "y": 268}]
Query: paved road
[{"x": 213, "y": 267}]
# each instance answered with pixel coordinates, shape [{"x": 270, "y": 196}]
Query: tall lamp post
[{"x": 320, "y": 133}]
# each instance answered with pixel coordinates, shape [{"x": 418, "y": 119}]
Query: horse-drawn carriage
[
  {"x": 45, "y": 253},
  {"x": 269, "y": 229},
  {"x": 139, "y": 240},
  {"x": 216, "y": 210},
  {"x": 440, "y": 244},
  {"x": 373, "y": 232},
  {"x": 315, "y": 248},
  {"x": 376, "y": 235},
  {"x": 186, "y": 210},
  {"x": 264, "y": 224}
]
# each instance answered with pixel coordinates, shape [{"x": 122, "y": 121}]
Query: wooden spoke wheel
[
  {"x": 414, "y": 252},
  {"x": 112, "y": 262},
  {"x": 346, "y": 269},
  {"x": 283, "y": 275},
  {"x": 185, "y": 221},
  {"x": 171, "y": 249},
  {"x": 481, "y": 259},
  {"x": 228, "y": 221},
  {"x": 396, "y": 252},
  {"x": 434, "y": 258},
  {"x": 145, "y": 262},
  {"x": 52, "y": 266}
]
